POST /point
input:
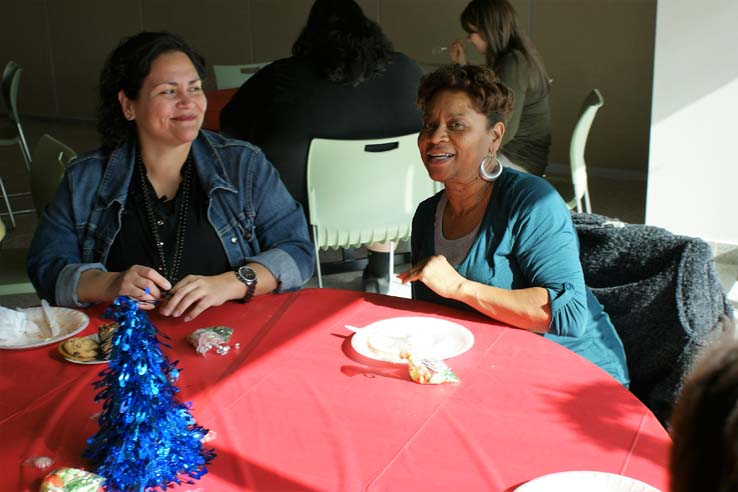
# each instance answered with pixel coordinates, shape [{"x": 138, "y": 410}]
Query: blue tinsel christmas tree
[{"x": 147, "y": 440}]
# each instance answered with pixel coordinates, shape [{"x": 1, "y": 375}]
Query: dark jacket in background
[
  {"x": 662, "y": 294},
  {"x": 286, "y": 104}
]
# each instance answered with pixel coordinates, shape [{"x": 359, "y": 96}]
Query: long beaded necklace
[{"x": 171, "y": 271}]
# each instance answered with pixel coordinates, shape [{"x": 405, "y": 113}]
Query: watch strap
[{"x": 250, "y": 284}]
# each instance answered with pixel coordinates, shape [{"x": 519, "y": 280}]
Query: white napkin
[{"x": 15, "y": 327}]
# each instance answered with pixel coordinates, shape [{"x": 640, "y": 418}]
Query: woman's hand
[
  {"x": 96, "y": 285},
  {"x": 195, "y": 293},
  {"x": 437, "y": 274},
  {"x": 457, "y": 53}
]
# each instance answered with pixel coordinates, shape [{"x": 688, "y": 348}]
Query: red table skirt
[{"x": 295, "y": 408}]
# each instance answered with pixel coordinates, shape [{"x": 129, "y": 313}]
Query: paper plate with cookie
[{"x": 92, "y": 349}]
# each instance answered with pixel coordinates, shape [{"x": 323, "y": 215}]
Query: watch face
[{"x": 248, "y": 274}]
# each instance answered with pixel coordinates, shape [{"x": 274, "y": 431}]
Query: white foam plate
[
  {"x": 422, "y": 336},
  {"x": 585, "y": 481},
  {"x": 70, "y": 323}
]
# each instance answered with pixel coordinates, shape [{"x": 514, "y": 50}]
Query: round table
[{"x": 296, "y": 408}]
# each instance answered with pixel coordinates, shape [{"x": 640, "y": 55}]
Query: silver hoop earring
[{"x": 486, "y": 175}]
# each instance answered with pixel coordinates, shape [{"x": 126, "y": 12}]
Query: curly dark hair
[
  {"x": 125, "y": 69},
  {"x": 489, "y": 96},
  {"x": 342, "y": 43}
]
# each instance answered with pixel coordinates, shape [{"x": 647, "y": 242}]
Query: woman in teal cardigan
[{"x": 496, "y": 240}]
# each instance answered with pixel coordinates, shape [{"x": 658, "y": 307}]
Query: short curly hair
[
  {"x": 125, "y": 69},
  {"x": 488, "y": 95}
]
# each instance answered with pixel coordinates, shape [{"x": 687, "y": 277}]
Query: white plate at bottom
[
  {"x": 422, "y": 336},
  {"x": 585, "y": 481}
]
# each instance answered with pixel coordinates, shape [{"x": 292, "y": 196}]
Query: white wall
[{"x": 693, "y": 164}]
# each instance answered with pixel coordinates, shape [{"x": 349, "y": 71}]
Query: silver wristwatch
[{"x": 247, "y": 275}]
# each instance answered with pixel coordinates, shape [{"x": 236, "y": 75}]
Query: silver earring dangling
[{"x": 486, "y": 175}]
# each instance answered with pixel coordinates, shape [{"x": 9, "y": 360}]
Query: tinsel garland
[{"x": 147, "y": 440}]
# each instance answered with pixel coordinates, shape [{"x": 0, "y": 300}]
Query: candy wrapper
[
  {"x": 429, "y": 371},
  {"x": 204, "y": 339},
  {"x": 71, "y": 480}
]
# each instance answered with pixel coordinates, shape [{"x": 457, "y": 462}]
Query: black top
[
  {"x": 286, "y": 104},
  {"x": 203, "y": 254}
]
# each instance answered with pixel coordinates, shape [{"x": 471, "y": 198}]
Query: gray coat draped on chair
[{"x": 662, "y": 294}]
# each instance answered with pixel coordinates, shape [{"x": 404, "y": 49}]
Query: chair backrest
[
  {"x": 661, "y": 292},
  {"x": 10, "y": 84},
  {"x": 364, "y": 191},
  {"x": 50, "y": 159},
  {"x": 592, "y": 103},
  {"x": 230, "y": 76}
]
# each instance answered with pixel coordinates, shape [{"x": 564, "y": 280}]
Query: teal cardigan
[{"x": 527, "y": 239}]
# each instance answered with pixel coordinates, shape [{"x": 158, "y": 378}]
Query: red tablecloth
[
  {"x": 216, "y": 101},
  {"x": 295, "y": 408}
]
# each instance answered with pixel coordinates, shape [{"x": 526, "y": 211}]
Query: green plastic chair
[
  {"x": 13, "y": 134},
  {"x": 13, "y": 276},
  {"x": 364, "y": 191},
  {"x": 592, "y": 103},
  {"x": 233, "y": 76},
  {"x": 50, "y": 159},
  {"x": 7, "y": 202}
]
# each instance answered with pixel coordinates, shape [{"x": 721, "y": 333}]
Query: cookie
[
  {"x": 82, "y": 349},
  {"x": 105, "y": 336}
]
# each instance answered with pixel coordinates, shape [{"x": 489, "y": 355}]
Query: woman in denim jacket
[{"x": 165, "y": 210}]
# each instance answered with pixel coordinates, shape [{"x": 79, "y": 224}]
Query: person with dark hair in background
[
  {"x": 493, "y": 30},
  {"x": 704, "y": 424},
  {"x": 164, "y": 211},
  {"x": 344, "y": 81},
  {"x": 495, "y": 240}
]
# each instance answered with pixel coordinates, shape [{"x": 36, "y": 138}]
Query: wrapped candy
[
  {"x": 429, "y": 371},
  {"x": 71, "y": 480},
  {"x": 204, "y": 339}
]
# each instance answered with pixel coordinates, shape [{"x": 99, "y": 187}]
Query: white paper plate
[
  {"x": 425, "y": 337},
  {"x": 585, "y": 481},
  {"x": 70, "y": 322}
]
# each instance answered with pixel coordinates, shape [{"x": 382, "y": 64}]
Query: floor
[{"x": 623, "y": 199}]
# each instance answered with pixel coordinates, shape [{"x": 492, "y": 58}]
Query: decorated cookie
[{"x": 71, "y": 480}]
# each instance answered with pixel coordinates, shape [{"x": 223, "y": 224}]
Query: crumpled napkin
[{"x": 15, "y": 326}]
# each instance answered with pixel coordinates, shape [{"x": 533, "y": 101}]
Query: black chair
[{"x": 662, "y": 294}]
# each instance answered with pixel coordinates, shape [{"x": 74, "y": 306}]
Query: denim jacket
[{"x": 249, "y": 208}]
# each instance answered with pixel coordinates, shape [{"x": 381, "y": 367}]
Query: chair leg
[
  {"x": 24, "y": 147},
  {"x": 317, "y": 257},
  {"x": 587, "y": 205},
  {"x": 391, "y": 261},
  {"x": 7, "y": 202}
]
